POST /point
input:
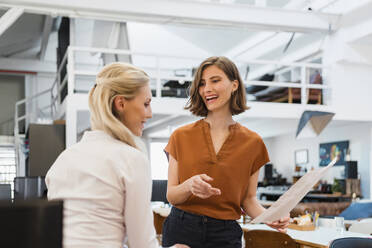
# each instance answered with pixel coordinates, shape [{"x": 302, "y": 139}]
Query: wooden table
[{"x": 319, "y": 238}]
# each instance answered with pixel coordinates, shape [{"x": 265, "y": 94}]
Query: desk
[{"x": 319, "y": 238}]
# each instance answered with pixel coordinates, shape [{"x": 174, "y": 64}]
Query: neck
[{"x": 220, "y": 119}]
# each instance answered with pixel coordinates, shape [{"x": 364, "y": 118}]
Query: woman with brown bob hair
[
  {"x": 214, "y": 164},
  {"x": 196, "y": 104}
]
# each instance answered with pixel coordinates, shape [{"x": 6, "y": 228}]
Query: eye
[
  {"x": 201, "y": 84},
  {"x": 216, "y": 81},
  {"x": 147, "y": 104}
]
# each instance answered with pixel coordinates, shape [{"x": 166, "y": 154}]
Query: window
[
  {"x": 159, "y": 162},
  {"x": 301, "y": 157},
  {"x": 7, "y": 166}
]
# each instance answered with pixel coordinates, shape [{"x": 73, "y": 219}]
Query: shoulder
[
  {"x": 128, "y": 152},
  {"x": 246, "y": 133},
  {"x": 106, "y": 149},
  {"x": 127, "y": 161}
]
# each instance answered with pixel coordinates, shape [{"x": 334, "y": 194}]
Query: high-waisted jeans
[{"x": 199, "y": 231}]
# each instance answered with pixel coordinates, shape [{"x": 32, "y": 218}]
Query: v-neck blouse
[{"x": 240, "y": 156}]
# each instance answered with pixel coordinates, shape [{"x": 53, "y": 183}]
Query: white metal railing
[{"x": 269, "y": 66}]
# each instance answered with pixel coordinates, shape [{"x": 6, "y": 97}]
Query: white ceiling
[
  {"x": 213, "y": 40},
  {"x": 23, "y": 38}
]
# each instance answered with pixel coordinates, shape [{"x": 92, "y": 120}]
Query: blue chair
[
  {"x": 357, "y": 210},
  {"x": 351, "y": 242}
]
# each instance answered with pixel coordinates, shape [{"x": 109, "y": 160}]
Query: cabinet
[{"x": 46, "y": 142}]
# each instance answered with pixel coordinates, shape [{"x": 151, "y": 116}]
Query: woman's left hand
[{"x": 280, "y": 225}]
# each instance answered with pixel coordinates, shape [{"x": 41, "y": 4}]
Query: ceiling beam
[
  {"x": 249, "y": 44},
  {"x": 18, "y": 47},
  {"x": 276, "y": 42},
  {"x": 262, "y": 37},
  {"x": 185, "y": 12},
  {"x": 31, "y": 65},
  {"x": 308, "y": 50},
  {"x": 47, "y": 29},
  {"x": 263, "y": 42},
  {"x": 10, "y": 17}
]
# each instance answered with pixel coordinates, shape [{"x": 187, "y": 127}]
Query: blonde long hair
[{"x": 113, "y": 80}]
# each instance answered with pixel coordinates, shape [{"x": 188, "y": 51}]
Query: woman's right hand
[
  {"x": 198, "y": 185},
  {"x": 180, "y": 246}
]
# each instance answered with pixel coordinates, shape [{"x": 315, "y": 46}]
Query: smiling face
[
  {"x": 135, "y": 112},
  {"x": 216, "y": 89}
]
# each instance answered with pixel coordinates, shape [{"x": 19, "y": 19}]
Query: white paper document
[{"x": 293, "y": 196}]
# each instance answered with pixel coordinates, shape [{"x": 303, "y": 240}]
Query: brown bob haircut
[{"x": 196, "y": 104}]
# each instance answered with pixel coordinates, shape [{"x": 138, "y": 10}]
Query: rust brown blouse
[{"x": 241, "y": 155}]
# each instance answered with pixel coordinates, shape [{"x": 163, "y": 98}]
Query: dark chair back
[
  {"x": 159, "y": 190},
  {"x": 351, "y": 242},
  {"x": 31, "y": 224},
  {"x": 266, "y": 238},
  {"x": 5, "y": 192}
]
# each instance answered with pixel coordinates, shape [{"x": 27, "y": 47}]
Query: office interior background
[{"x": 294, "y": 56}]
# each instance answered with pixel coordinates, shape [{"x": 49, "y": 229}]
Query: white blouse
[{"x": 106, "y": 188}]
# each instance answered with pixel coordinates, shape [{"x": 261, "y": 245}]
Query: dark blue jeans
[{"x": 198, "y": 231}]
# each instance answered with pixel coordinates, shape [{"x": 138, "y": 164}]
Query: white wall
[
  {"x": 11, "y": 91},
  {"x": 349, "y": 72},
  {"x": 282, "y": 148}
]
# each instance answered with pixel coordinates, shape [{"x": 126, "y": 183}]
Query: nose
[
  {"x": 207, "y": 87},
  {"x": 149, "y": 113}
]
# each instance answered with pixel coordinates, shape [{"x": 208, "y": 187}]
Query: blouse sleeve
[
  {"x": 171, "y": 147},
  {"x": 138, "y": 214},
  {"x": 262, "y": 157}
]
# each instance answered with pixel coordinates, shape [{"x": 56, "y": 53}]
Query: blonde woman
[
  {"x": 214, "y": 164},
  {"x": 104, "y": 179}
]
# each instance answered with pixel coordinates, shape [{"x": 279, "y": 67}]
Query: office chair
[
  {"x": 159, "y": 190},
  {"x": 31, "y": 224},
  {"x": 266, "y": 238},
  {"x": 351, "y": 242}
]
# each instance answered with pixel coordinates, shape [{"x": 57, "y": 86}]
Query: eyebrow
[
  {"x": 211, "y": 78},
  {"x": 215, "y": 77}
]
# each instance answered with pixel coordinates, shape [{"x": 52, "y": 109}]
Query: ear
[
  {"x": 119, "y": 103},
  {"x": 235, "y": 85}
]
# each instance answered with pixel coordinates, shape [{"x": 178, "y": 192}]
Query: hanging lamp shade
[{"x": 312, "y": 123}]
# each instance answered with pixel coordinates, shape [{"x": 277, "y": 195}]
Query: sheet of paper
[{"x": 293, "y": 196}]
